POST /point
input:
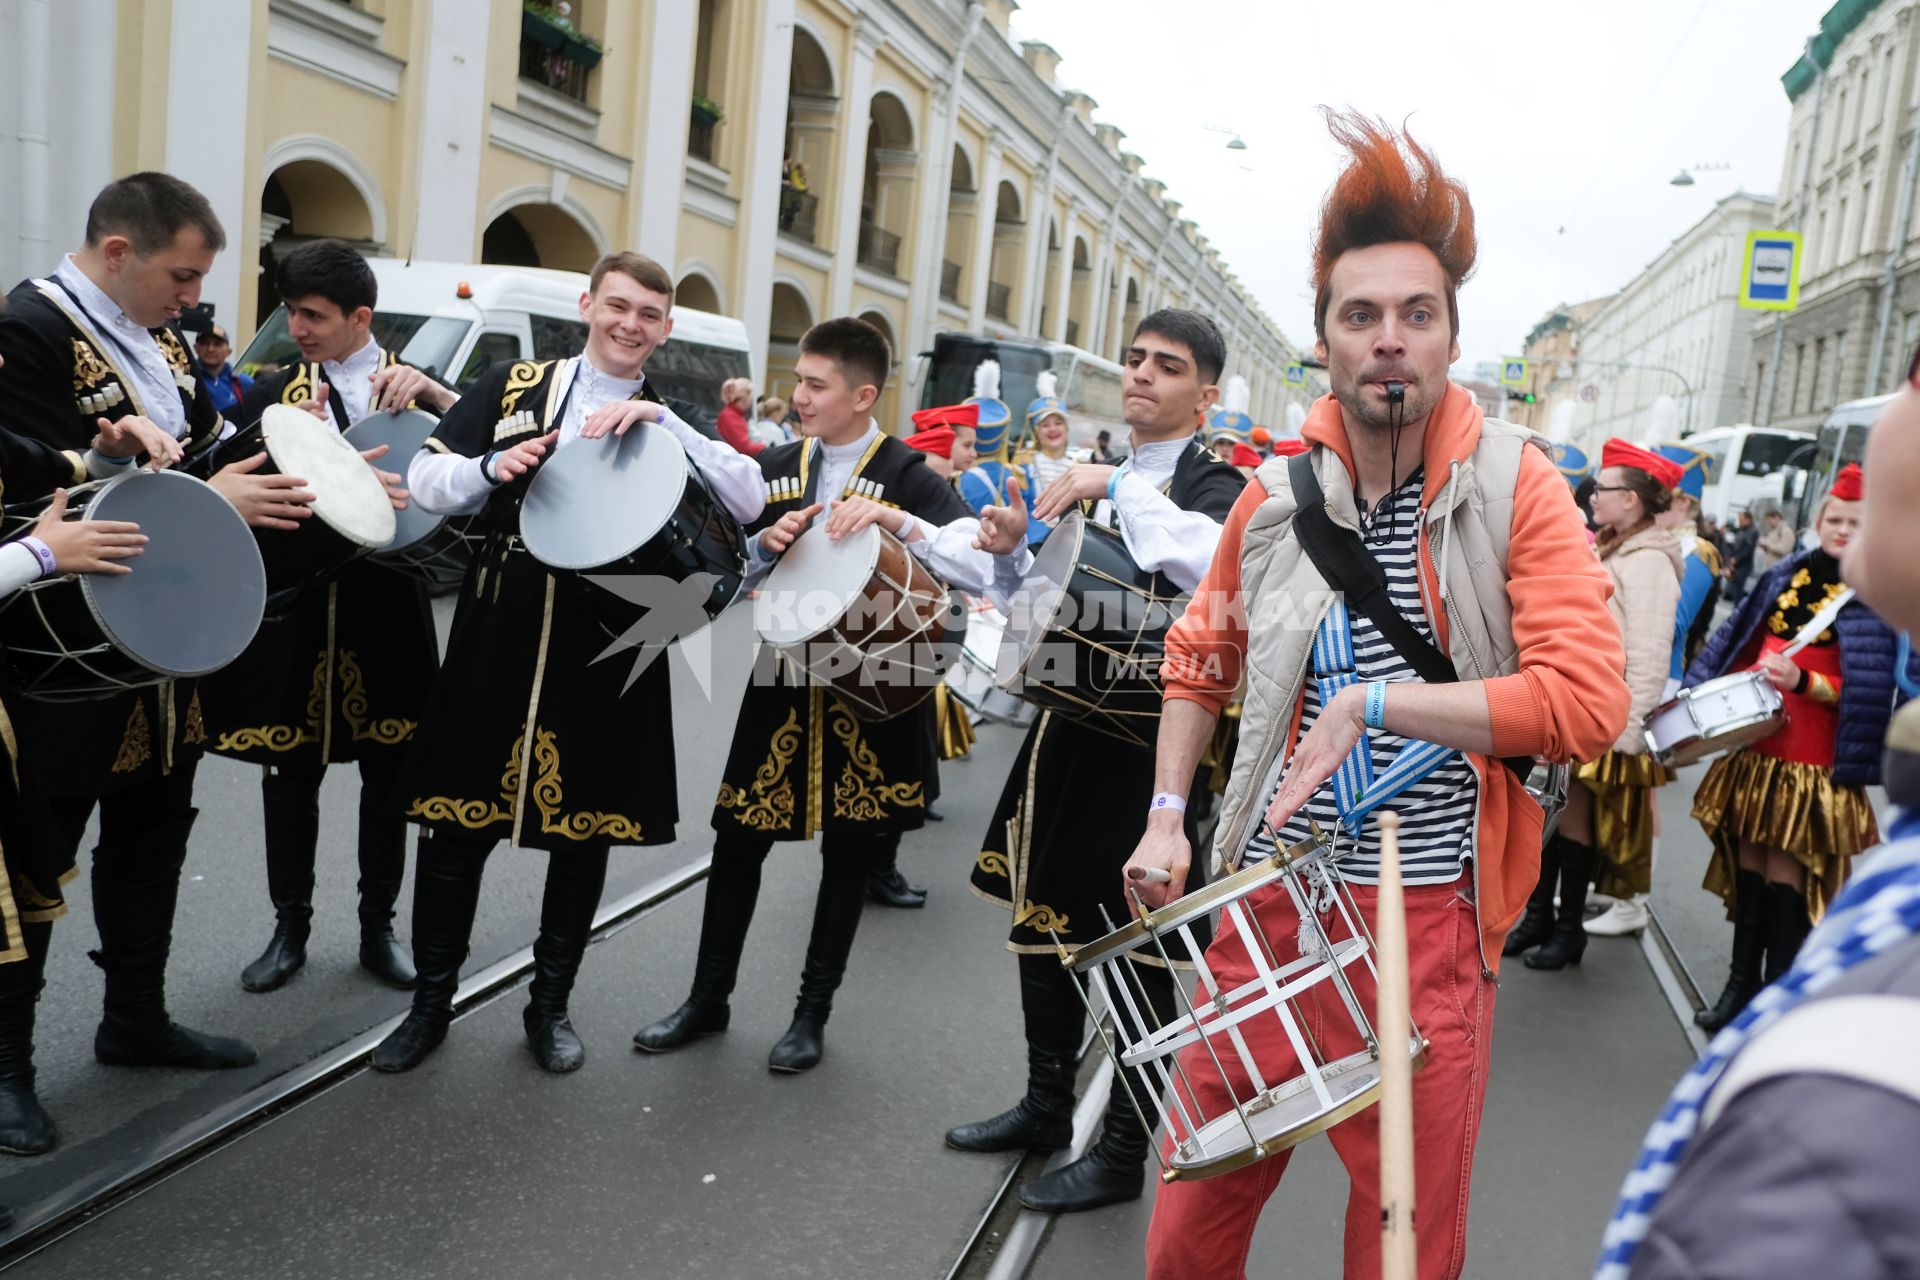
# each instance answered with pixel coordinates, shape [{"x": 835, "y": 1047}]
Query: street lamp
[{"x": 1684, "y": 178}]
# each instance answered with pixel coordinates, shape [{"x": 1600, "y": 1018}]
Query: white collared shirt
[
  {"x": 138, "y": 351},
  {"x": 352, "y": 379},
  {"x": 1160, "y": 536}
]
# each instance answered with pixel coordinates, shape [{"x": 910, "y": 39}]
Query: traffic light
[{"x": 1523, "y": 397}]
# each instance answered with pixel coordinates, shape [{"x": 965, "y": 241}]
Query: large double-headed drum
[
  {"x": 1725, "y": 714},
  {"x": 432, "y": 548},
  {"x": 1087, "y": 633},
  {"x": 631, "y": 514},
  {"x": 1271, "y": 1105},
  {"x": 352, "y": 514},
  {"x": 863, "y": 617},
  {"x": 972, "y": 677},
  {"x": 190, "y": 606}
]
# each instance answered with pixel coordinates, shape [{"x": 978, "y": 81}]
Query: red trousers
[{"x": 1203, "y": 1230}]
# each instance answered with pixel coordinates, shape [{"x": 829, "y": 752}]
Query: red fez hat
[
  {"x": 950, "y": 415},
  {"x": 1290, "y": 448},
  {"x": 1618, "y": 453},
  {"x": 1245, "y": 455},
  {"x": 1261, "y": 437},
  {"x": 937, "y": 441},
  {"x": 1849, "y": 485}
]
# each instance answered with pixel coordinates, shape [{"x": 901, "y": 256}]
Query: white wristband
[{"x": 1168, "y": 800}]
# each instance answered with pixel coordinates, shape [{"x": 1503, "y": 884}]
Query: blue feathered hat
[
  {"x": 1696, "y": 468},
  {"x": 990, "y": 436},
  {"x": 1571, "y": 462},
  {"x": 1046, "y": 403},
  {"x": 1229, "y": 418}
]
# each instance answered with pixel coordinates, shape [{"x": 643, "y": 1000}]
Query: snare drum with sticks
[
  {"x": 863, "y": 617},
  {"x": 190, "y": 606},
  {"x": 352, "y": 514},
  {"x": 1725, "y": 714},
  {"x": 432, "y": 548},
  {"x": 1251, "y": 985},
  {"x": 633, "y": 507},
  {"x": 1088, "y": 631}
]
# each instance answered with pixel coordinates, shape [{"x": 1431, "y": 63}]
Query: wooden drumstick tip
[{"x": 1389, "y": 823}]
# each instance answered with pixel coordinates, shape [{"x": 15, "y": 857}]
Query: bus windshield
[
  {"x": 949, "y": 377},
  {"x": 425, "y": 342},
  {"x": 690, "y": 373}
]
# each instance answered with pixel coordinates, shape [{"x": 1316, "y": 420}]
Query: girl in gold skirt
[
  {"x": 1787, "y": 814},
  {"x": 1606, "y": 832}
]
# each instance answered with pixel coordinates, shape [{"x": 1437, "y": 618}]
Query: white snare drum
[
  {"x": 1274, "y": 1106},
  {"x": 971, "y": 678},
  {"x": 1726, "y": 714},
  {"x": 863, "y": 617}
]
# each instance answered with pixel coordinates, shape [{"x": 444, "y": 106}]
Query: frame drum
[
  {"x": 190, "y": 606},
  {"x": 352, "y": 515},
  {"x": 430, "y": 547}
]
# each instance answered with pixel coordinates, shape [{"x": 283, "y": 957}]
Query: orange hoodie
[{"x": 1568, "y": 701}]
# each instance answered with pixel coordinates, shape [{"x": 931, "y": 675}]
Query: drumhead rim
[
  {"x": 89, "y": 583},
  {"x": 665, "y": 511},
  {"x": 872, "y": 534},
  {"x": 298, "y": 424},
  {"x": 1016, "y": 679},
  {"x": 393, "y": 546}
]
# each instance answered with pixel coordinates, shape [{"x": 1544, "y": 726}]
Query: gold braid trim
[
  {"x": 195, "y": 732},
  {"x": 1039, "y": 918},
  {"x": 863, "y": 793},
  {"x": 136, "y": 745},
  {"x": 768, "y": 803},
  {"x": 353, "y": 705}
]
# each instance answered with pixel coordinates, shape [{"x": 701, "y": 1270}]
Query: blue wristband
[
  {"x": 1113, "y": 483},
  {"x": 1376, "y": 715}
]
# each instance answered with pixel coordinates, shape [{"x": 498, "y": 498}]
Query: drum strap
[{"x": 1342, "y": 560}]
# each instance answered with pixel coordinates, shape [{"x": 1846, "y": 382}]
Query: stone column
[
  {"x": 986, "y": 211},
  {"x": 208, "y": 36},
  {"x": 669, "y": 32},
  {"x": 852, "y": 164},
  {"x": 759, "y": 221}
]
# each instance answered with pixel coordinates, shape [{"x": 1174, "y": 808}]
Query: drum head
[
  {"x": 814, "y": 583},
  {"x": 195, "y": 596},
  {"x": 403, "y": 433},
  {"x": 1042, "y": 593},
  {"x": 347, "y": 495},
  {"x": 594, "y": 501}
]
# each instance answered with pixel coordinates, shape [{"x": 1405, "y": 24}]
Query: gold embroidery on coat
[
  {"x": 136, "y": 745},
  {"x": 523, "y": 377},
  {"x": 299, "y": 388},
  {"x": 547, "y": 796},
  {"x": 89, "y": 370},
  {"x": 768, "y": 802},
  {"x": 1040, "y": 918},
  {"x": 994, "y": 864},
  {"x": 196, "y": 727},
  {"x": 353, "y": 705},
  {"x": 863, "y": 793},
  {"x": 174, "y": 350}
]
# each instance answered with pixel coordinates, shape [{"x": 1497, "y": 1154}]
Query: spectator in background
[
  {"x": 770, "y": 427},
  {"x": 224, "y": 383},
  {"x": 1103, "y": 454},
  {"x": 736, "y": 396},
  {"x": 1775, "y": 542},
  {"x": 1740, "y": 555}
]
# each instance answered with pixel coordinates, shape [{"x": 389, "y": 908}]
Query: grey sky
[{"x": 1555, "y": 115}]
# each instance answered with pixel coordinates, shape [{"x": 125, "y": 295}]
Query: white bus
[
  {"x": 455, "y": 319},
  {"x": 1751, "y": 465},
  {"x": 1089, "y": 385}
]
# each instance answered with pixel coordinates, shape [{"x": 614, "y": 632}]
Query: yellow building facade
[{"x": 789, "y": 160}]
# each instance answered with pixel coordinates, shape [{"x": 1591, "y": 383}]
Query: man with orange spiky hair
[{"x": 1474, "y": 634}]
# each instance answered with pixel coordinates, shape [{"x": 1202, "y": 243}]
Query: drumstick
[
  {"x": 1393, "y": 1017},
  {"x": 1149, "y": 875}
]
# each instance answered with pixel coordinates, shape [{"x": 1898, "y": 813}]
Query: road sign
[
  {"x": 1590, "y": 393},
  {"x": 1770, "y": 272},
  {"x": 1513, "y": 372},
  {"x": 1296, "y": 374}
]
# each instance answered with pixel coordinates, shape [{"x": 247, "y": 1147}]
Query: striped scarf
[{"x": 1875, "y": 913}]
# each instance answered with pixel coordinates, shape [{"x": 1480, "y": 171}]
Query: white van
[{"x": 455, "y": 319}]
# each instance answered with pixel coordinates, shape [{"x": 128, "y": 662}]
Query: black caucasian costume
[
  {"x": 802, "y": 762},
  {"x": 342, "y": 674},
  {"x": 526, "y": 738},
  {"x": 133, "y": 754},
  {"x": 1073, "y": 809}
]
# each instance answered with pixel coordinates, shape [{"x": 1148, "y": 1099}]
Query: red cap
[
  {"x": 1261, "y": 437},
  {"x": 950, "y": 415},
  {"x": 937, "y": 441},
  {"x": 1245, "y": 455},
  {"x": 1618, "y": 453},
  {"x": 1849, "y": 485},
  {"x": 1290, "y": 448}
]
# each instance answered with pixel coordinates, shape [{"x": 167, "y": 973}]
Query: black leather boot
[
  {"x": 1536, "y": 925},
  {"x": 446, "y": 893},
  {"x": 383, "y": 868},
  {"x": 574, "y": 882},
  {"x": 1749, "y": 944},
  {"x": 290, "y": 808},
  {"x": 885, "y": 884},
  {"x": 733, "y": 887},
  {"x": 836, "y": 918},
  {"x": 25, "y": 1127},
  {"x": 1787, "y": 928},
  {"x": 1569, "y": 941},
  {"x": 134, "y": 893},
  {"x": 1043, "y": 1119},
  {"x": 1113, "y": 1170}
]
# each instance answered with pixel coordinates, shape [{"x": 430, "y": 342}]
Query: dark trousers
[{"x": 290, "y": 801}]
